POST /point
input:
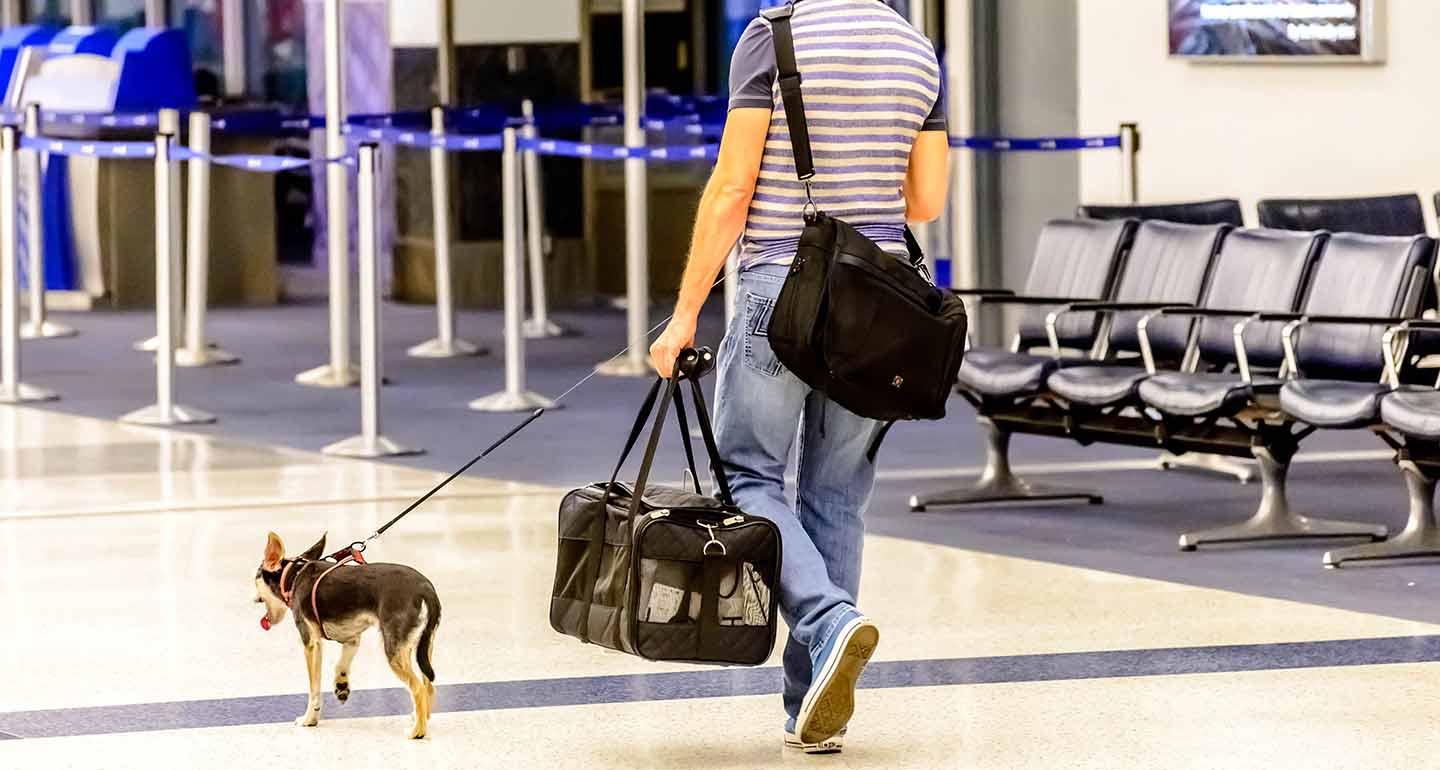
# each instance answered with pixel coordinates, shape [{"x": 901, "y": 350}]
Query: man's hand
[{"x": 678, "y": 335}]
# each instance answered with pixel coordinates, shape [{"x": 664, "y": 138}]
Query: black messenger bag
[
  {"x": 869, "y": 330},
  {"x": 667, "y": 573}
]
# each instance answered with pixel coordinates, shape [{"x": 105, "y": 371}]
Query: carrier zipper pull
[
  {"x": 732, "y": 520},
  {"x": 660, "y": 514}
]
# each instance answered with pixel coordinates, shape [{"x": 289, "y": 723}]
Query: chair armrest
[
  {"x": 1211, "y": 312},
  {"x": 1023, "y": 299},
  {"x": 1298, "y": 322},
  {"x": 1053, "y": 318},
  {"x": 1394, "y": 353},
  {"x": 981, "y": 292},
  {"x": 1121, "y": 307}
]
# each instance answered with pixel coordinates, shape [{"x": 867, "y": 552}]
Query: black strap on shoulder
[{"x": 789, "y": 76}]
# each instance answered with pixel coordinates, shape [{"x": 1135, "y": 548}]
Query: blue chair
[{"x": 1224, "y": 211}]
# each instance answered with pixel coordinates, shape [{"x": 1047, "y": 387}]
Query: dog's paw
[
  {"x": 307, "y": 720},
  {"x": 342, "y": 691},
  {"x": 416, "y": 733}
]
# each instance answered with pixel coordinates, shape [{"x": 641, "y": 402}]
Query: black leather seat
[
  {"x": 1225, "y": 211},
  {"x": 1381, "y": 215},
  {"x": 1413, "y": 412},
  {"x": 1074, "y": 259},
  {"x": 1333, "y": 403},
  {"x": 1338, "y": 379},
  {"x": 1168, "y": 263},
  {"x": 1260, "y": 270}
]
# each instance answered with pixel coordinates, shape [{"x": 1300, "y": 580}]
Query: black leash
[{"x": 693, "y": 363}]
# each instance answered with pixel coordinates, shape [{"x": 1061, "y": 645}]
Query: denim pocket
[{"x": 758, "y": 354}]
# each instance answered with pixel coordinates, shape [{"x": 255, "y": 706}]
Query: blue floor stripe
[{"x": 710, "y": 683}]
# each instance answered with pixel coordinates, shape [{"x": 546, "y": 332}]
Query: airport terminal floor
[{"x": 1036, "y": 636}]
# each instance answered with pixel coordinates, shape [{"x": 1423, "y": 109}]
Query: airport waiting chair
[
  {"x": 1166, "y": 265},
  {"x": 1183, "y": 257},
  {"x": 1075, "y": 260},
  {"x": 1355, "y": 283},
  {"x": 1224, "y": 211},
  {"x": 1398, "y": 215},
  {"x": 1409, "y": 421}
]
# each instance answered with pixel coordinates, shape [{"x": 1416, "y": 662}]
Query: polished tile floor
[{"x": 128, "y": 640}]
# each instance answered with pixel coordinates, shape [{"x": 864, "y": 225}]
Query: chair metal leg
[
  {"x": 1274, "y": 520},
  {"x": 1200, "y": 462},
  {"x": 1419, "y": 540},
  {"x": 998, "y": 483}
]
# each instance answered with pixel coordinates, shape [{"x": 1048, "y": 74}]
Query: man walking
[{"x": 871, "y": 85}]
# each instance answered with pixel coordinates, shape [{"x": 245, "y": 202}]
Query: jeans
[{"x": 760, "y": 411}]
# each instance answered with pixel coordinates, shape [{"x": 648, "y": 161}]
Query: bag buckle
[
  {"x": 810, "y": 209},
  {"x": 706, "y": 550}
]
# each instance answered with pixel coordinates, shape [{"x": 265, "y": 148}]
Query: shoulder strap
[{"x": 789, "y": 77}]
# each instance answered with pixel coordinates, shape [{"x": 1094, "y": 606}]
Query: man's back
[{"x": 871, "y": 82}]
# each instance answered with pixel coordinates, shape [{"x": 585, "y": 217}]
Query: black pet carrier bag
[{"x": 662, "y": 572}]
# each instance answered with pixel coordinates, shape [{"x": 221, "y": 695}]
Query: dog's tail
[{"x": 427, "y": 636}]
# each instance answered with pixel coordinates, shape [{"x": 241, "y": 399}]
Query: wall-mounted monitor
[{"x": 1276, "y": 30}]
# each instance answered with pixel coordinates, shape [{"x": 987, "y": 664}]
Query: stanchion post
[
  {"x": 515, "y": 397},
  {"x": 39, "y": 326},
  {"x": 444, "y": 345},
  {"x": 167, "y": 268},
  {"x": 637, "y": 235},
  {"x": 197, "y": 350},
  {"x": 340, "y": 372},
  {"x": 370, "y": 443},
  {"x": 1130, "y": 162},
  {"x": 12, "y": 391},
  {"x": 539, "y": 325}
]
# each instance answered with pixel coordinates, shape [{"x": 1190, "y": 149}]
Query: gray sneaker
[{"x": 832, "y": 745}]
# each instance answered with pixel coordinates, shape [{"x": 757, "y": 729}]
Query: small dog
[{"x": 349, "y": 600}]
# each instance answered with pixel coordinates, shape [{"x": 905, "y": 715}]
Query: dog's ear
[
  {"x": 315, "y": 551},
  {"x": 274, "y": 552}
]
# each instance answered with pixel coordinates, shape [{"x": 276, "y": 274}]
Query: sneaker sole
[
  {"x": 835, "y": 704},
  {"x": 832, "y": 745}
]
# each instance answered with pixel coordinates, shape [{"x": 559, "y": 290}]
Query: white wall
[
  {"x": 415, "y": 23},
  {"x": 1256, "y": 131}
]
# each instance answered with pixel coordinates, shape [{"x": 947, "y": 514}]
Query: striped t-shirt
[{"x": 871, "y": 82}]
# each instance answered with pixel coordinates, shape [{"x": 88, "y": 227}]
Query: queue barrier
[{"x": 514, "y": 138}]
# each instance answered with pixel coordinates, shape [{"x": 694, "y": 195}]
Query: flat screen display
[{"x": 1295, "y": 30}]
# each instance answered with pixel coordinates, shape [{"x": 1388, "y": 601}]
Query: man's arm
[
  {"x": 718, "y": 224},
  {"x": 927, "y": 181}
]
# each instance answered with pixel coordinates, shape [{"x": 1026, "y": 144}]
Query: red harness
[{"x": 287, "y": 595}]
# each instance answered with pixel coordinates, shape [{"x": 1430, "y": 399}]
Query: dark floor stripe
[{"x": 709, "y": 683}]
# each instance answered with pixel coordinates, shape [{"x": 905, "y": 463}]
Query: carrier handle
[{"x": 691, "y": 364}]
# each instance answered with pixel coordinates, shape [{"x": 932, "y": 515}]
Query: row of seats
[
  {"x": 1379, "y": 215},
  {"x": 1205, "y": 338}
]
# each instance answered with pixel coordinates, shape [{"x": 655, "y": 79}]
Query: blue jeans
[{"x": 760, "y": 411}]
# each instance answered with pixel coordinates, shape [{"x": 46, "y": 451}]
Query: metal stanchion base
[
  {"x": 326, "y": 377},
  {"x": 179, "y": 415},
  {"x": 437, "y": 348},
  {"x": 536, "y": 331},
  {"x": 625, "y": 367},
  {"x": 48, "y": 330},
  {"x": 505, "y": 401},
  {"x": 26, "y": 394},
  {"x": 208, "y": 356},
  {"x": 359, "y": 446}
]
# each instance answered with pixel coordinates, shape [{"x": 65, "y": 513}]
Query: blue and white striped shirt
[{"x": 871, "y": 83}]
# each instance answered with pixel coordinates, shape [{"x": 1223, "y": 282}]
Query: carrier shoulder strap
[{"x": 788, "y": 71}]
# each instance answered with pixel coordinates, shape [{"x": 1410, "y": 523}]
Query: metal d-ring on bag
[
  {"x": 869, "y": 330},
  {"x": 667, "y": 573}
]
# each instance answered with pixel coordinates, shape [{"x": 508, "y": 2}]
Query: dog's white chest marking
[{"x": 350, "y": 628}]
